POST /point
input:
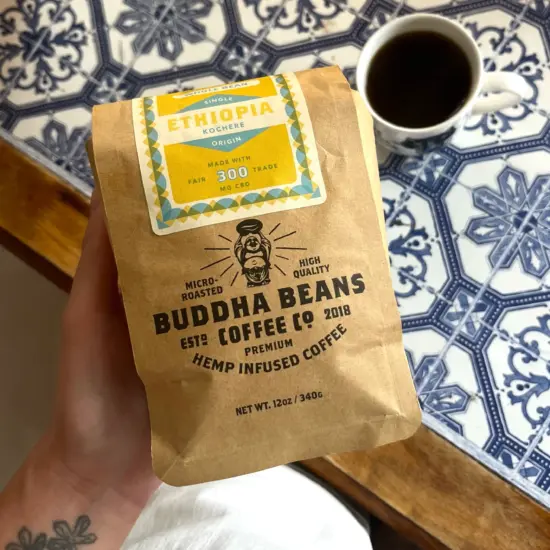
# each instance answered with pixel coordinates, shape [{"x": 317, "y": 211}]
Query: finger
[{"x": 96, "y": 275}]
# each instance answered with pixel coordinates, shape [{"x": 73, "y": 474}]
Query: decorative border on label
[{"x": 167, "y": 215}]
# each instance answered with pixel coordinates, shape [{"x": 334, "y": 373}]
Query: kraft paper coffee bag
[{"x": 247, "y": 226}]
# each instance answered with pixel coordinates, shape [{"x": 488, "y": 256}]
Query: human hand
[
  {"x": 100, "y": 433},
  {"x": 89, "y": 477}
]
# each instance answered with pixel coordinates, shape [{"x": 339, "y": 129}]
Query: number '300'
[{"x": 231, "y": 173}]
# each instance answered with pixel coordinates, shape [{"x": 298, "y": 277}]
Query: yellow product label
[{"x": 225, "y": 153}]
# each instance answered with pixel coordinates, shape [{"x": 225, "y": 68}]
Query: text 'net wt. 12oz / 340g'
[{"x": 247, "y": 225}]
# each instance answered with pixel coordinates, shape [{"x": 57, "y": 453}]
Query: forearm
[{"x": 44, "y": 492}]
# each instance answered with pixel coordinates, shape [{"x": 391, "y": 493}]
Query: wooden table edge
[
  {"x": 42, "y": 218},
  {"x": 424, "y": 488}
]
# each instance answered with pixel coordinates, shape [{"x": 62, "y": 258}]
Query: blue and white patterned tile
[
  {"x": 537, "y": 464},
  {"x": 519, "y": 367},
  {"x": 255, "y": 16},
  {"x": 375, "y": 15},
  {"x": 54, "y": 134},
  {"x": 130, "y": 28},
  {"x": 530, "y": 471},
  {"x": 111, "y": 84},
  {"x": 430, "y": 171},
  {"x": 459, "y": 401},
  {"x": 302, "y": 21},
  {"x": 446, "y": 379},
  {"x": 501, "y": 229},
  {"x": 450, "y": 7},
  {"x": 420, "y": 304},
  {"x": 46, "y": 66},
  {"x": 523, "y": 52},
  {"x": 538, "y": 7},
  {"x": 5, "y": 118},
  {"x": 59, "y": 138},
  {"x": 468, "y": 313},
  {"x": 415, "y": 251},
  {"x": 244, "y": 60},
  {"x": 542, "y": 448},
  {"x": 154, "y": 36},
  {"x": 429, "y": 5},
  {"x": 22, "y": 28}
]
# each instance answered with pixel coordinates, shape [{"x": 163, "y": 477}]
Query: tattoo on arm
[{"x": 64, "y": 538}]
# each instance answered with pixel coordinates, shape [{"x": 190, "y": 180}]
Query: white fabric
[{"x": 278, "y": 509}]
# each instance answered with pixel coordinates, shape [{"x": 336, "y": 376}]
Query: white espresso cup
[{"x": 416, "y": 141}]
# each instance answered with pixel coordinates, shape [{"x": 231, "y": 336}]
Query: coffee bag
[{"x": 247, "y": 227}]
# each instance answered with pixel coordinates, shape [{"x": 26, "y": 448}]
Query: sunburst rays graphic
[{"x": 228, "y": 267}]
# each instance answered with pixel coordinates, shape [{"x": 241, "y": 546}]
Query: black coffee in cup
[{"x": 418, "y": 79}]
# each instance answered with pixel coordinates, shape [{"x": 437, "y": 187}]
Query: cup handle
[{"x": 513, "y": 88}]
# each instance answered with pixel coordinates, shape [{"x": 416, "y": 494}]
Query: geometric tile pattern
[{"x": 468, "y": 225}]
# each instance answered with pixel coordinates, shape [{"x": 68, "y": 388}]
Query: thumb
[{"x": 95, "y": 282}]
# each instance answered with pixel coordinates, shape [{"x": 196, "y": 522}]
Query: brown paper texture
[{"x": 342, "y": 382}]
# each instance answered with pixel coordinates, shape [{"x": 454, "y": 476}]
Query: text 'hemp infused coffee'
[{"x": 246, "y": 221}]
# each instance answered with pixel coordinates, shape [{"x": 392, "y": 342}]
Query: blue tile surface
[{"x": 468, "y": 225}]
